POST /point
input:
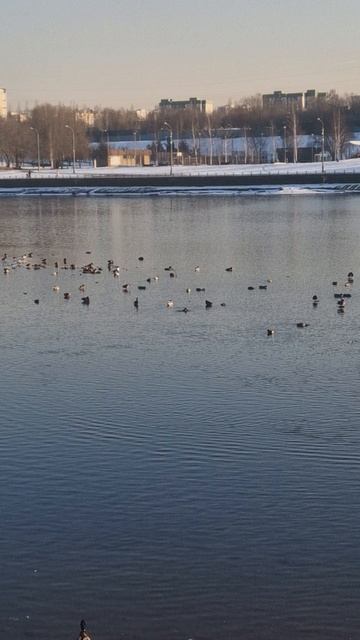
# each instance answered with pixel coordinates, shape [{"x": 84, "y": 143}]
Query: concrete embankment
[{"x": 191, "y": 181}]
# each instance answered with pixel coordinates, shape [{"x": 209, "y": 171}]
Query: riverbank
[{"x": 337, "y": 177}]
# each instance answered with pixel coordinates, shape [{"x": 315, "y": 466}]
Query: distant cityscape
[{"x": 299, "y": 126}]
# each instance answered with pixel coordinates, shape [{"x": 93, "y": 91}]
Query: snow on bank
[
  {"x": 343, "y": 166},
  {"x": 127, "y": 192}
]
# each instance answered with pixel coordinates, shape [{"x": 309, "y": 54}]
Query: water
[{"x": 169, "y": 475}]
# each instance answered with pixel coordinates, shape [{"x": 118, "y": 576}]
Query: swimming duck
[
  {"x": 170, "y": 304},
  {"x": 83, "y": 635}
]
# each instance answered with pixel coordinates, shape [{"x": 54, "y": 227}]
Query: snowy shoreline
[
  {"x": 273, "y": 179},
  {"x": 188, "y": 191},
  {"x": 276, "y": 169}
]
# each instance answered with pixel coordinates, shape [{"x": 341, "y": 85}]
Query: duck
[
  {"x": 229, "y": 269},
  {"x": 56, "y": 288},
  {"x": 83, "y": 635},
  {"x": 270, "y": 332},
  {"x": 197, "y": 269},
  {"x": 82, "y": 287},
  {"x": 188, "y": 290},
  {"x": 67, "y": 295},
  {"x": 136, "y": 303},
  {"x": 302, "y": 325},
  {"x": 208, "y": 304},
  {"x": 85, "y": 300},
  {"x": 170, "y": 304}
]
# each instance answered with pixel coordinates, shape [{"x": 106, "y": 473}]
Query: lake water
[{"x": 168, "y": 475}]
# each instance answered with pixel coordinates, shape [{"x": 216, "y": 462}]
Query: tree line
[{"x": 51, "y": 125}]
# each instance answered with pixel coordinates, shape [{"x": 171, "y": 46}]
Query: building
[
  {"x": 129, "y": 157},
  {"x": 20, "y": 116},
  {"x": 141, "y": 114},
  {"x": 3, "y": 103},
  {"x": 299, "y": 100},
  {"x": 87, "y": 116},
  {"x": 203, "y": 106}
]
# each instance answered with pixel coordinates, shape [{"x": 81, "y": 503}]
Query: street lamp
[
  {"x": 322, "y": 145},
  {"x": 285, "y": 147},
  {"x": 107, "y": 144},
  {"x": 166, "y": 124},
  {"x": 210, "y": 139},
  {"x": 67, "y": 126},
  {"x": 134, "y": 134},
  {"x": 245, "y": 129},
  {"x": 38, "y": 144}
]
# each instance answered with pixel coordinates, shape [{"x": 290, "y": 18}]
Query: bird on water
[{"x": 83, "y": 635}]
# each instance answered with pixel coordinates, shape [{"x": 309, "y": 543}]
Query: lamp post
[
  {"x": 166, "y": 124},
  {"x": 210, "y": 140},
  {"x": 312, "y": 147},
  {"x": 67, "y": 126},
  {"x": 285, "y": 147},
  {"x": 134, "y": 134},
  {"x": 38, "y": 145},
  {"x": 322, "y": 145},
  {"x": 245, "y": 129},
  {"x": 107, "y": 144}
]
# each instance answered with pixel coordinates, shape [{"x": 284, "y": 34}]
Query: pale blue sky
[{"x": 134, "y": 52}]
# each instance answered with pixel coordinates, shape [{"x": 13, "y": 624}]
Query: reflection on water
[{"x": 170, "y": 475}]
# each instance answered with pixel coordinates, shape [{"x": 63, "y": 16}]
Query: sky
[{"x": 132, "y": 53}]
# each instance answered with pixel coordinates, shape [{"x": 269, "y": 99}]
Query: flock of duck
[{"x": 26, "y": 261}]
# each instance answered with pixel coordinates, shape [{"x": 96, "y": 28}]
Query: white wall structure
[{"x": 3, "y": 103}]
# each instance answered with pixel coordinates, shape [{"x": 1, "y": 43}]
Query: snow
[{"x": 343, "y": 166}]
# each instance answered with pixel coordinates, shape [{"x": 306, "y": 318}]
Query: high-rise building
[
  {"x": 3, "y": 103},
  {"x": 204, "y": 106},
  {"x": 300, "y": 100}
]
